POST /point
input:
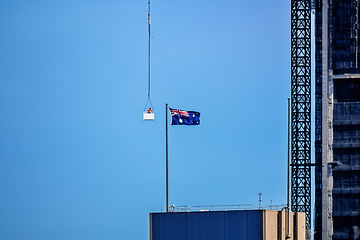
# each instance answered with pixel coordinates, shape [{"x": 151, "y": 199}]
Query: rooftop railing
[{"x": 208, "y": 208}]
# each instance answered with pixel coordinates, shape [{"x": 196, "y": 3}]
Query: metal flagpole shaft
[{"x": 167, "y": 163}]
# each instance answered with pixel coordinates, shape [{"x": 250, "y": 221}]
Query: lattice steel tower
[{"x": 301, "y": 107}]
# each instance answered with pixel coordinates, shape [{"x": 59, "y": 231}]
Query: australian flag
[{"x": 183, "y": 117}]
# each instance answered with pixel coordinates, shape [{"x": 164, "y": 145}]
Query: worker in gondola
[{"x": 150, "y": 110}]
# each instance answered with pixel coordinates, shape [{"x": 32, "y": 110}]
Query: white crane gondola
[{"x": 149, "y": 114}]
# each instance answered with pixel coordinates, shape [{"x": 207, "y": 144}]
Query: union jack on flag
[{"x": 184, "y": 117}]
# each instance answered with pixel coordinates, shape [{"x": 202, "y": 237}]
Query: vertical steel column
[
  {"x": 288, "y": 173},
  {"x": 301, "y": 108},
  {"x": 318, "y": 120}
]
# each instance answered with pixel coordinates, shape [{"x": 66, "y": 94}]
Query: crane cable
[
  {"x": 148, "y": 100},
  {"x": 149, "y": 53}
]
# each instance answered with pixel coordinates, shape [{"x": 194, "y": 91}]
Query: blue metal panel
[
  {"x": 168, "y": 226},
  {"x": 244, "y": 225},
  {"x": 226, "y": 225},
  {"x": 206, "y": 226}
]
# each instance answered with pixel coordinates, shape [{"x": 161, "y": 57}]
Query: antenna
[{"x": 260, "y": 200}]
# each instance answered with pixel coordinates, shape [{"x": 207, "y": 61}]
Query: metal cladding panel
[
  {"x": 227, "y": 225},
  {"x": 168, "y": 226},
  {"x": 206, "y": 226},
  {"x": 244, "y": 225}
]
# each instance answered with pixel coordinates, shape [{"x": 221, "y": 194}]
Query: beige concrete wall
[
  {"x": 287, "y": 228},
  {"x": 281, "y": 228},
  {"x": 276, "y": 225},
  {"x": 270, "y": 224},
  {"x": 300, "y": 228}
]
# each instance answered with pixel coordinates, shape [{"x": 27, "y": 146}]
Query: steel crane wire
[{"x": 149, "y": 66}]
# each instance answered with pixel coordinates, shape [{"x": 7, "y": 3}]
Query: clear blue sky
[{"x": 76, "y": 159}]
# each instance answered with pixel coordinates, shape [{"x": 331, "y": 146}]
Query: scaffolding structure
[{"x": 337, "y": 120}]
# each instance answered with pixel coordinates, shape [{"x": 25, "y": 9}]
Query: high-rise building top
[
  {"x": 337, "y": 120},
  {"x": 343, "y": 36}
]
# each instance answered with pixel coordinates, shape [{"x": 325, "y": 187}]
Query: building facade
[
  {"x": 337, "y": 120},
  {"x": 227, "y": 225}
]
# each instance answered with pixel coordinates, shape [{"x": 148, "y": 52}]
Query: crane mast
[{"x": 301, "y": 108}]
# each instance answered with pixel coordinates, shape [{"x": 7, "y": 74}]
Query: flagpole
[{"x": 167, "y": 162}]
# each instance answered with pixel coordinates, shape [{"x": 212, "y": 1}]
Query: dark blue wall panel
[
  {"x": 226, "y": 225},
  {"x": 244, "y": 225},
  {"x": 205, "y": 226},
  {"x": 169, "y": 226}
]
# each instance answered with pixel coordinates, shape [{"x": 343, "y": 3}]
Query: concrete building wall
[
  {"x": 282, "y": 228},
  {"x": 271, "y": 224},
  {"x": 300, "y": 230}
]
